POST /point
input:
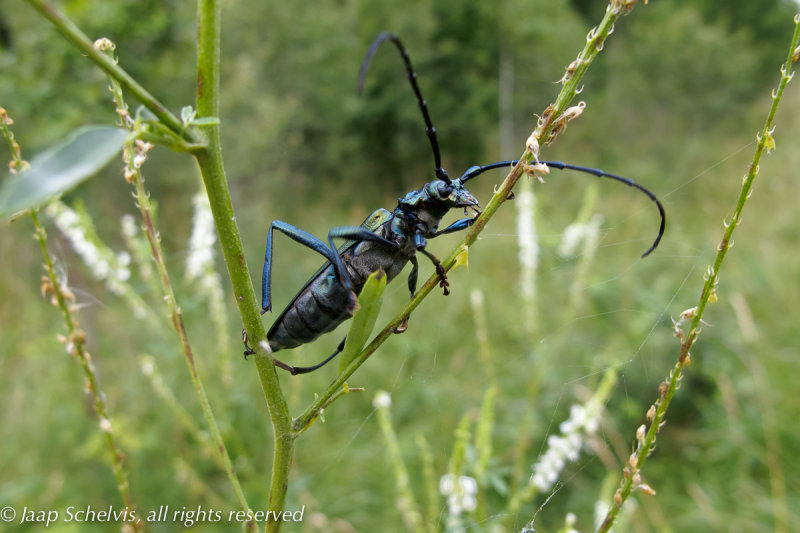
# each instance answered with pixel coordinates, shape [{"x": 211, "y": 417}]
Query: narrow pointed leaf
[
  {"x": 78, "y": 157},
  {"x": 369, "y": 305},
  {"x": 462, "y": 259}
]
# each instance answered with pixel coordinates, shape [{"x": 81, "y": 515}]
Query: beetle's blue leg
[
  {"x": 458, "y": 225},
  {"x": 420, "y": 243},
  {"x": 294, "y": 370},
  {"x": 304, "y": 238},
  {"x": 357, "y": 233},
  {"x": 443, "y": 283}
]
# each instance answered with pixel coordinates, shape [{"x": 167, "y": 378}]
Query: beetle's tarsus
[
  {"x": 247, "y": 349},
  {"x": 402, "y": 326},
  {"x": 443, "y": 283}
]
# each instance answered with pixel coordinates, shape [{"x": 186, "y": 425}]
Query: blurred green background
[{"x": 674, "y": 102}]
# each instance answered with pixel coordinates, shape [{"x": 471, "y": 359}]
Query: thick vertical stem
[{"x": 210, "y": 161}]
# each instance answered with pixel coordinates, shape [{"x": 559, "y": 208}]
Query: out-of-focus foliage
[{"x": 679, "y": 91}]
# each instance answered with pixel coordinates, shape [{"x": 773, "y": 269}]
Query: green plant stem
[
  {"x": 74, "y": 35},
  {"x": 550, "y": 124},
  {"x": 209, "y": 160},
  {"x": 667, "y": 389}
]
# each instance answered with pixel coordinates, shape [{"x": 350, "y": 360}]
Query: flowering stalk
[
  {"x": 105, "y": 265},
  {"x": 429, "y": 477},
  {"x": 147, "y": 365},
  {"x": 580, "y": 235},
  {"x": 646, "y": 436},
  {"x": 460, "y": 490},
  {"x": 528, "y": 241},
  {"x": 135, "y": 154},
  {"x": 405, "y": 497},
  {"x": 482, "y": 337},
  {"x": 75, "y": 341},
  {"x": 565, "y": 448},
  {"x": 139, "y": 248}
]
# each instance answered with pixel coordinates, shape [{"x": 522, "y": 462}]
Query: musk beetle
[{"x": 386, "y": 240}]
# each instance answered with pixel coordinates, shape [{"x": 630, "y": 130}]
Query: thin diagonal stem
[
  {"x": 134, "y": 150},
  {"x": 74, "y": 35},
  {"x": 657, "y": 413},
  {"x": 76, "y": 338},
  {"x": 552, "y": 122}
]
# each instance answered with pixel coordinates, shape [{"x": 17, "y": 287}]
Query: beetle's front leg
[{"x": 458, "y": 225}]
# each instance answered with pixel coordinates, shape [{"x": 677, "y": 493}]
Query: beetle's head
[{"x": 452, "y": 194}]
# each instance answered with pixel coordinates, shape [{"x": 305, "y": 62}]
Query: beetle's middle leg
[
  {"x": 306, "y": 239},
  {"x": 419, "y": 244},
  {"x": 412, "y": 288}
]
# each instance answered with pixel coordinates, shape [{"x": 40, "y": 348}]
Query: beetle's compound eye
[{"x": 444, "y": 189}]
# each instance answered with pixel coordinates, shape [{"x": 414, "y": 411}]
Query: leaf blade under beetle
[{"x": 369, "y": 305}]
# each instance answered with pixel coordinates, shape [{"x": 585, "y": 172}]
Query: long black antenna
[
  {"x": 477, "y": 170},
  {"x": 412, "y": 77}
]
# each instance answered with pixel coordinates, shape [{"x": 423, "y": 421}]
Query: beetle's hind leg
[
  {"x": 294, "y": 370},
  {"x": 247, "y": 349}
]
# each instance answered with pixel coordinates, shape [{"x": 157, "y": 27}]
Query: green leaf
[
  {"x": 187, "y": 115},
  {"x": 369, "y": 305},
  {"x": 76, "y": 158}
]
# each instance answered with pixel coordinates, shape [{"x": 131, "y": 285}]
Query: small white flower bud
[{"x": 382, "y": 400}]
